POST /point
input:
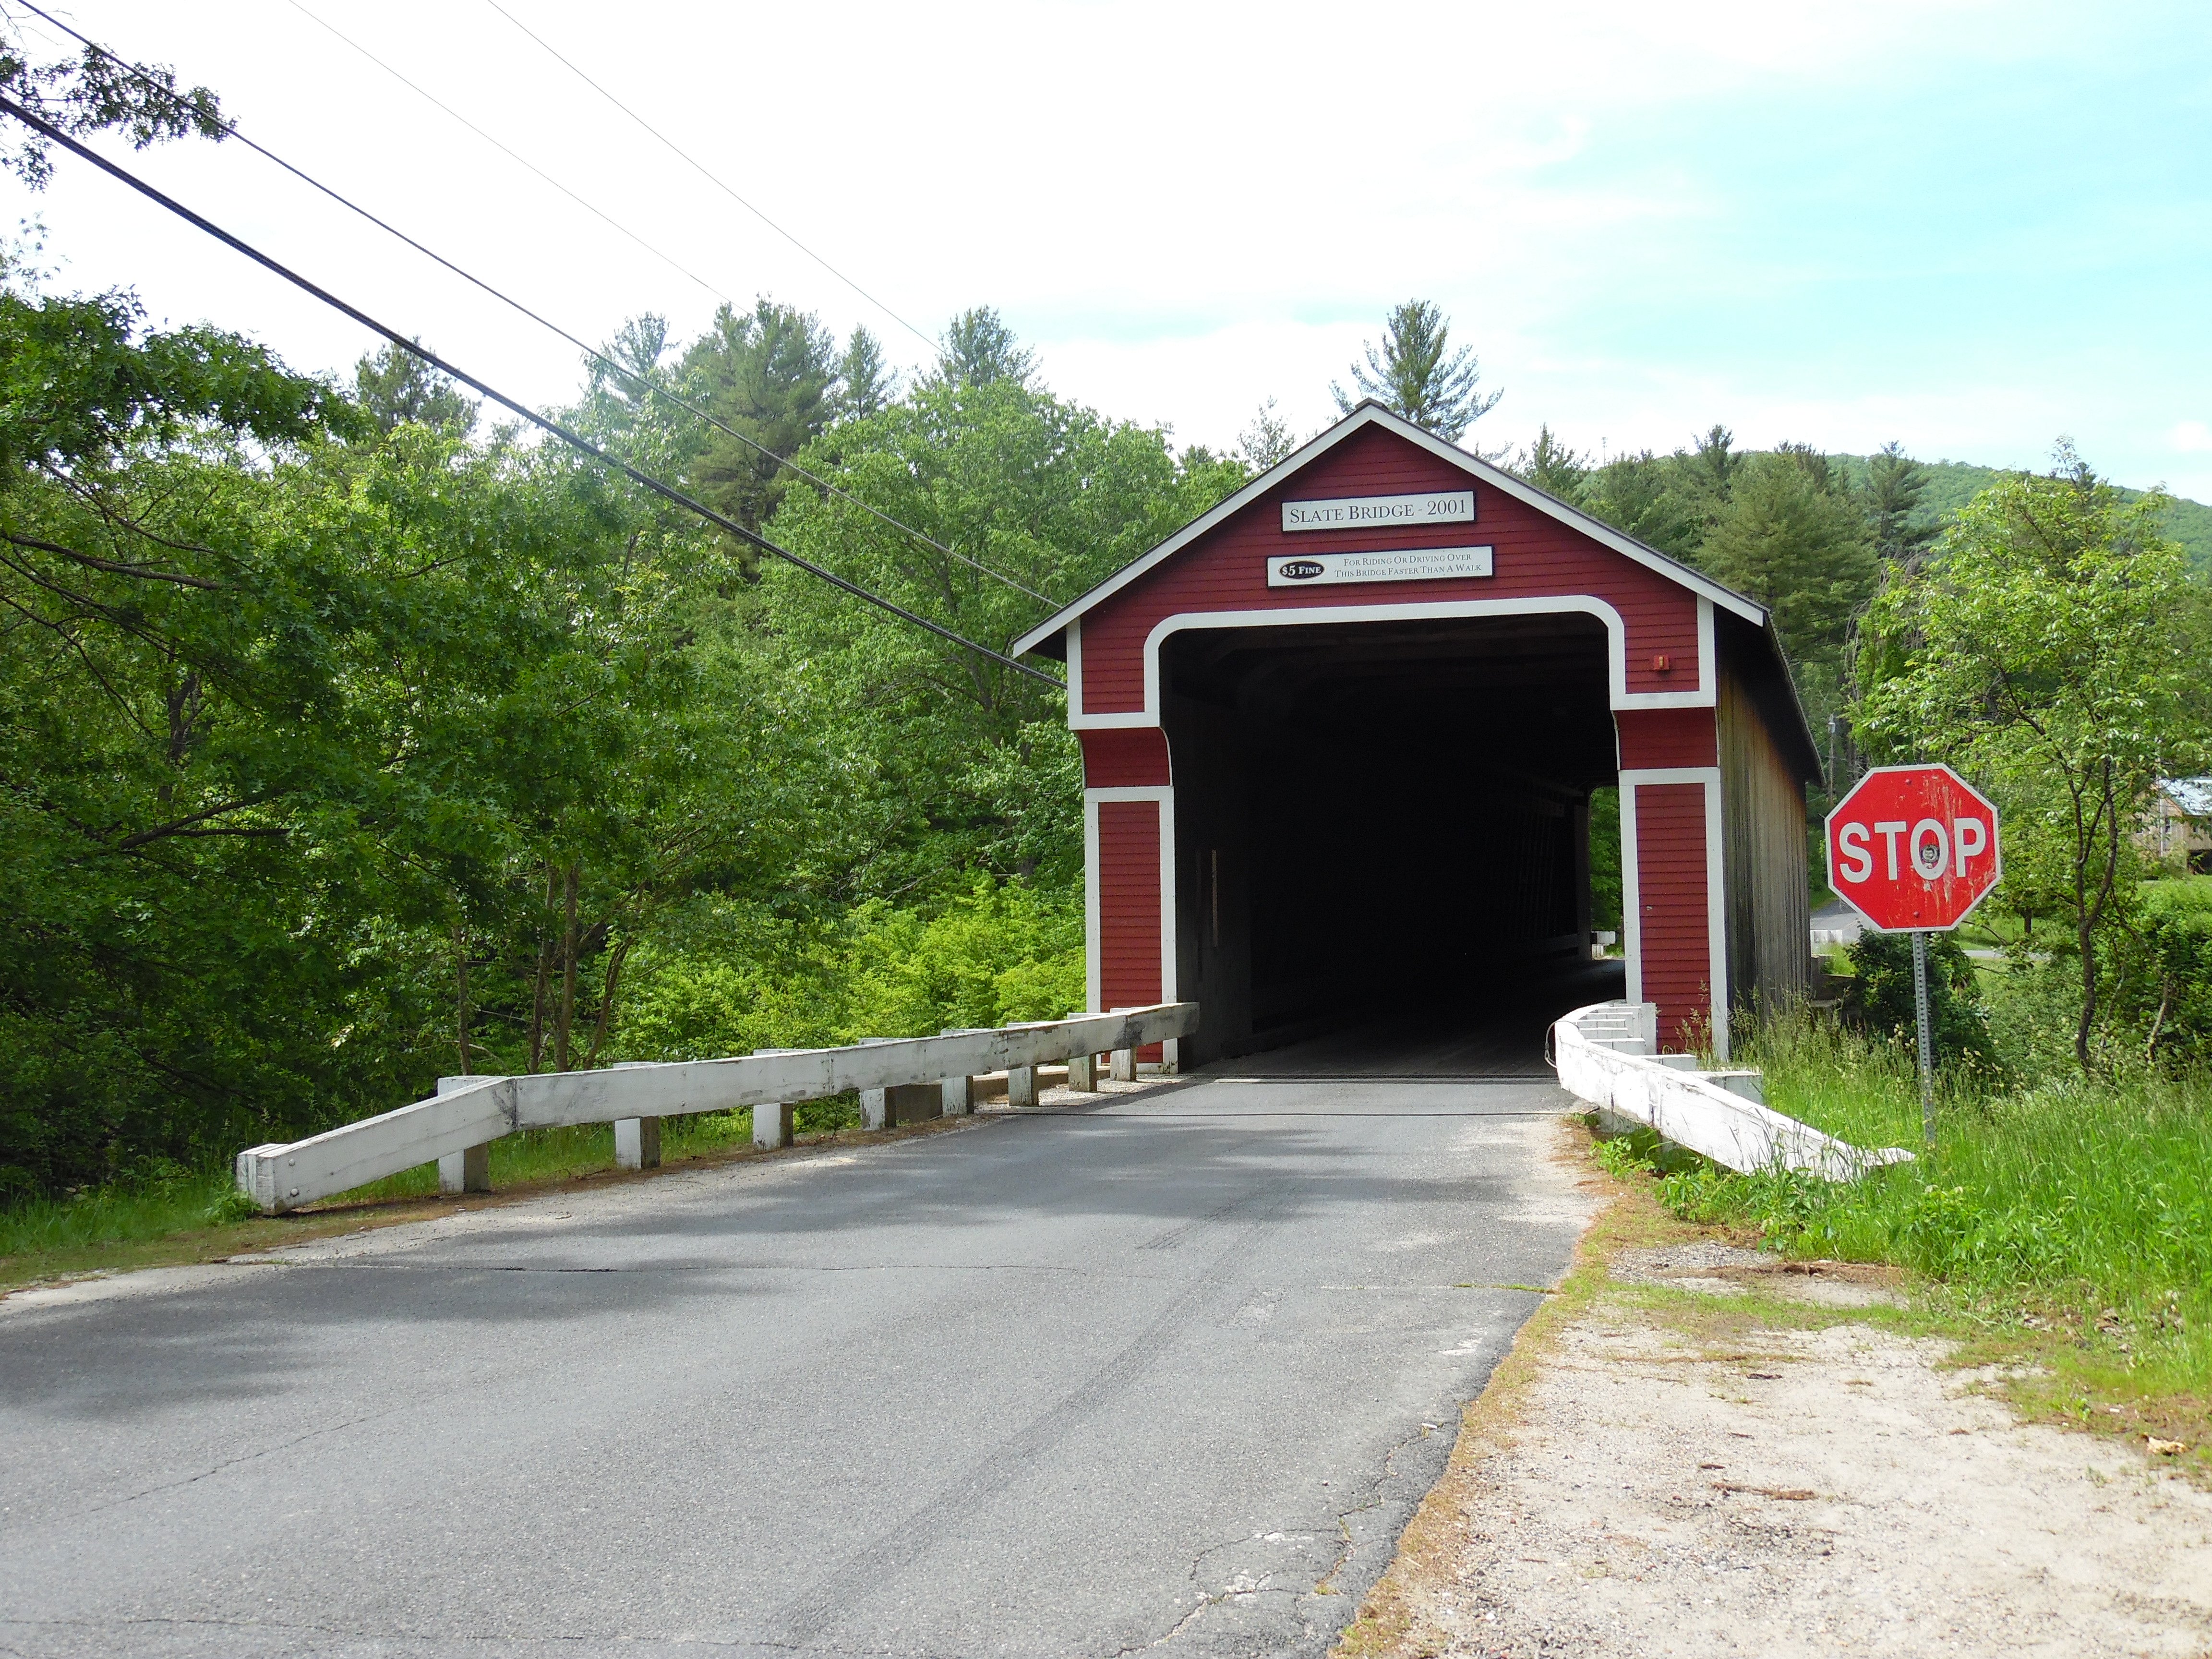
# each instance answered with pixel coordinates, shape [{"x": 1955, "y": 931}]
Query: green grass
[
  {"x": 2081, "y": 1210},
  {"x": 125, "y": 1212}
]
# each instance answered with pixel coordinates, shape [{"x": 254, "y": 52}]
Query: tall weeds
[{"x": 2085, "y": 1201}]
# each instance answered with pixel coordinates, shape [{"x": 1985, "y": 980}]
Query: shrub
[{"x": 1881, "y": 998}]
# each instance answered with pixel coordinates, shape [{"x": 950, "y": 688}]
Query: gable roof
[
  {"x": 2193, "y": 796},
  {"x": 1370, "y": 413}
]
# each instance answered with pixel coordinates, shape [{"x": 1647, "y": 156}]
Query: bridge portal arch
[{"x": 1341, "y": 736}]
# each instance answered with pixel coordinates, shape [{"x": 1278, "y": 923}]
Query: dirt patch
[{"x": 1709, "y": 1452}]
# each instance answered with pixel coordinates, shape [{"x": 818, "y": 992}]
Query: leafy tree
[
  {"x": 1636, "y": 494},
  {"x": 980, "y": 350},
  {"x": 1414, "y": 373},
  {"x": 93, "y": 93},
  {"x": 395, "y": 386},
  {"x": 951, "y": 763},
  {"x": 2051, "y": 647}
]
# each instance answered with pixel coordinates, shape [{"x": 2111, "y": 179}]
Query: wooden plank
[{"x": 280, "y": 1177}]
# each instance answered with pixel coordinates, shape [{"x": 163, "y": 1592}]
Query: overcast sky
[{"x": 1969, "y": 227}]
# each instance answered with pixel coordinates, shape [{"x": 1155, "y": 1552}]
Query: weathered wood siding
[{"x": 1763, "y": 810}]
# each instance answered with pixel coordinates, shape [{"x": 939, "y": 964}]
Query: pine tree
[
  {"x": 396, "y": 387},
  {"x": 1413, "y": 372},
  {"x": 1267, "y": 441},
  {"x": 1894, "y": 484},
  {"x": 979, "y": 348},
  {"x": 1792, "y": 538},
  {"x": 1552, "y": 467},
  {"x": 867, "y": 382},
  {"x": 766, "y": 373}
]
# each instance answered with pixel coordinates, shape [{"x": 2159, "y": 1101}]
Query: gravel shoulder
[{"x": 1694, "y": 1451}]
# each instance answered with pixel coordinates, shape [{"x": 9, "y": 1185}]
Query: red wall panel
[
  {"x": 1673, "y": 921},
  {"x": 1128, "y": 903},
  {"x": 1667, "y": 737},
  {"x": 1536, "y": 555},
  {"x": 1125, "y": 758}
]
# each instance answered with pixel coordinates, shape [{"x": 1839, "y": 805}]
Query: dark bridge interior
[{"x": 1383, "y": 826}]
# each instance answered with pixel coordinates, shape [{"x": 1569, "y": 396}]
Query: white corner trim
[
  {"x": 1299, "y": 616},
  {"x": 1163, "y": 795},
  {"x": 1371, "y": 414},
  {"x": 1716, "y": 977},
  {"x": 1631, "y": 894},
  {"x": 1075, "y": 675}
]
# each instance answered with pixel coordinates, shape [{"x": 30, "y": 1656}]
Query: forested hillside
[{"x": 1952, "y": 484}]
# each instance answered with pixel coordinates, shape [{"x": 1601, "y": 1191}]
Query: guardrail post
[
  {"x": 470, "y": 1169},
  {"x": 775, "y": 1123},
  {"x": 1083, "y": 1073},
  {"x": 959, "y": 1092},
  {"x": 1125, "y": 1066},
  {"x": 901, "y": 1103},
  {"x": 875, "y": 1110},
  {"x": 1021, "y": 1085},
  {"x": 637, "y": 1140}
]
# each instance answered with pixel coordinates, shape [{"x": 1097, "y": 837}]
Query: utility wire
[
  {"x": 139, "y": 73},
  {"x": 665, "y": 258},
  {"x": 700, "y": 167},
  {"x": 644, "y": 480}
]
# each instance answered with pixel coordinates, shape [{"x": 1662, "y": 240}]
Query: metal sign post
[
  {"x": 1926, "y": 1040},
  {"x": 1913, "y": 850}
]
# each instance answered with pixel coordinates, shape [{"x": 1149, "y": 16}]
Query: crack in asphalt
[{"x": 254, "y": 1456}]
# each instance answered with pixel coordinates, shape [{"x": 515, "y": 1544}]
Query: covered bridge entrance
[{"x": 1339, "y": 736}]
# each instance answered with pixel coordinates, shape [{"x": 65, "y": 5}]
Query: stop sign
[{"x": 1912, "y": 849}]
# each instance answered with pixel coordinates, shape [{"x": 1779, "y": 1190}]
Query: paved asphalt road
[{"x": 1061, "y": 1383}]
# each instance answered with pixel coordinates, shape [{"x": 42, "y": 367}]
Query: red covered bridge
[{"x": 1339, "y": 736}]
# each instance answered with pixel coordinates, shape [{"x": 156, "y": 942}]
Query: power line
[
  {"x": 139, "y": 73},
  {"x": 584, "y": 446},
  {"x": 700, "y": 167},
  {"x": 519, "y": 160}
]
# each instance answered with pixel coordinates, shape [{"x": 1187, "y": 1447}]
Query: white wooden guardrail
[
  {"x": 457, "y": 1125},
  {"x": 1607, "y": 1055}
]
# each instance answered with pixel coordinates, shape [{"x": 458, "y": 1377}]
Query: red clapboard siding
[
  {"x": 1128, "y": 903},
  {"x": 1667, "y": 737},
  {"x": 1125, "y": 758},
  {"x": 1536, "y": 555},
  {"x": 1674, "y": 922}
]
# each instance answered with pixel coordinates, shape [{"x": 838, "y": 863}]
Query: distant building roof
[{"x": 2193, "y": 795}]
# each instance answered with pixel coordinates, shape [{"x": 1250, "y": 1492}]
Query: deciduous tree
[{"x": 2050, "y": 647}]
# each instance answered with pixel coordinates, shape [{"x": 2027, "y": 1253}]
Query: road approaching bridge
[{"x": 1176, "y": 1366}]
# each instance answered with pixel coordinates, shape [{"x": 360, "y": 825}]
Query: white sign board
[
  {"x": 1409, "y": 564},
  {"x": 1364, "y": 512}
]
